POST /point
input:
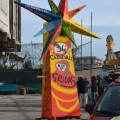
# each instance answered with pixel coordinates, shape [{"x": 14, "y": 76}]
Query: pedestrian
[
  {"x": 98, "y": 84},
  {"x": 82, "y": 91},
  {"x": 94, "y": 89}
]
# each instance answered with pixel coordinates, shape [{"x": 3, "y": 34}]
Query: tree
[{"x": 27, "y": 64}]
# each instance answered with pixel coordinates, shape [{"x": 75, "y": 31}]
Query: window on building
[
  {"x": 78, "y": 67},
  {"x": 85, "y": 64},
  {"x": 77, "y": 62},
  {"x": 92, "y": 62}
]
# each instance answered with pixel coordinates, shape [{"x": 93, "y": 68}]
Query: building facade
[
  {"x": 10, "y": 26},
  {"x": 87, "y": 62}
]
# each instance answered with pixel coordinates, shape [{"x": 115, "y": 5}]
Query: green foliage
[
  {"x": 3, "y": 67},
  {"x": 27, "y": 65},
  {"x": 16, "y": 57}
]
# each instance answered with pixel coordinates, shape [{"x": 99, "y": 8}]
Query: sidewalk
[
  {"x": 24, "y": 107},
  {"x": 85, "y": 115}
]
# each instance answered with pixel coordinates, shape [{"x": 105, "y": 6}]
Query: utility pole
[
  {"x": 81, "y": 50},
  {"x": 32, "y": 55},
  {"x": 91, "y": 50}
]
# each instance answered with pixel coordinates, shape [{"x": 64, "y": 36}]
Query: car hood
[
  {"x": 99, "y": 118},
  {"x": 103, "y": 118}
]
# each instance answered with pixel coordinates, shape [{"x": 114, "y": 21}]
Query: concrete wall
[
  {"x": 4, "y": 16},
  {"x": 10, "y": 26},
  {"x": 86, "y": 73}
]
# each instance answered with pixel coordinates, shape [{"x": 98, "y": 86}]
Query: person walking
[
  {"x": 94, "y": 89},
  {"x": 98, "y": 84},
  {"x": 82, "y": 91}
]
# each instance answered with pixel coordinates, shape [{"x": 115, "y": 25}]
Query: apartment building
[{"x": 87, "y": 62}]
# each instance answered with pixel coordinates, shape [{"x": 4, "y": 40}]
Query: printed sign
[
  {"x": 63, "y": 80},
  {"x": 54, "y": 8},
  {"x": 60, "y": 96},
  {"x": 60, "y": 48},
  {"x": 72, "y": 13},
  {"x": 43, "y": 13}
]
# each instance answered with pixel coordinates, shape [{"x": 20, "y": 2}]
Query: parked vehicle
[{"x": 108, "y": 105}]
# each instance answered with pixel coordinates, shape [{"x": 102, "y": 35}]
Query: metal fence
[{"x": 20, "y": 77}]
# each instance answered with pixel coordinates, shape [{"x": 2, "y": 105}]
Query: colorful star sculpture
[{"x": 59, "y": 21}]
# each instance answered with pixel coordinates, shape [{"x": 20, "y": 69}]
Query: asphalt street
[{"x": 23, "y": 107}]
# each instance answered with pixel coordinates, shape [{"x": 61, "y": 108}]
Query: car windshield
[{"x": 110, "y": 102}]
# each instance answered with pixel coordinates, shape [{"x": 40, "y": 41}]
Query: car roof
[{"x": 115, "y": 83}]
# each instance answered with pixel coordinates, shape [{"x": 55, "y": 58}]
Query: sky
[{"x": 105, "y": 21}]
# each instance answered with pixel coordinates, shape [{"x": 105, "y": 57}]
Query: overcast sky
[{"x": 105, "y": 21}]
